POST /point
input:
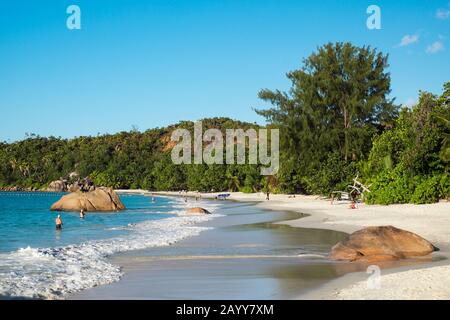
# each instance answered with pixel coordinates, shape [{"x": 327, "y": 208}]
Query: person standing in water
[
  {"x": 58, "y": 222},
  {"x": 82, "y": 214}
]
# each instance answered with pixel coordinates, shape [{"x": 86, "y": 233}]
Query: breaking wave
[{"x": 53, "y": 273}]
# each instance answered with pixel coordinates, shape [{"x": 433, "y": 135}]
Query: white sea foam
[{"x": 52, "y": 273}]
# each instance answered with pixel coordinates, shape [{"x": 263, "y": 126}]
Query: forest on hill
[
  {"x": 336, "y": 122},
  {"x": 126, "y": 160}
]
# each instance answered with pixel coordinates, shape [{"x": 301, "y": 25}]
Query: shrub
[
  {"x": 406, "y": 162},
  {"x": 444, "y": 186},
  {"x": 397, "y": 187},
  {"x": 333, "y": 174},
  {"x": 391, "y": 186},
  {"x": 246, "y": 189},
  {"x": 428, "y": 191}
]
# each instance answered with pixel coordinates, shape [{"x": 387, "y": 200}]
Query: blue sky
[{"x": 153, "y": 63}]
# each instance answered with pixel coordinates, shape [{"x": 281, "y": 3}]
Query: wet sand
[{"x": 244, "y": 256}]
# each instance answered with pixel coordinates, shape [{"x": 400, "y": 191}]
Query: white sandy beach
[{"x": 432, "y": 221}]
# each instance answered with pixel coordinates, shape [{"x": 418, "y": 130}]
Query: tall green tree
[{"x": 337, "y": 102}]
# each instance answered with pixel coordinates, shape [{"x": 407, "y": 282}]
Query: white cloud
[
  {"x": 443, "y": 14},
  {"x": 407, "y": 40},
  {"x": 435, "y": 47}
]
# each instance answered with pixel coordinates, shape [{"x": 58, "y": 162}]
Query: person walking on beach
[
  {"x": 82, "y": 214},
  {"x": 267, "y": 197},
  {"x": 58, "y": 222}
]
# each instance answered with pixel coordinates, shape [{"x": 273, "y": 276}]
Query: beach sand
[{"x": 430, "y": 280}]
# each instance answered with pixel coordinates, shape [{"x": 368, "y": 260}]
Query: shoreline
[
  {"x": 430, "y": 280},
  {"x": 244, "y": 256}
]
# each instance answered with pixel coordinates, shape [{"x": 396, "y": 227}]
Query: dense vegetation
[
  {"x": 124, "y": 160},
  {"x": 336, "y": 122},
  {"x": 409, "y": 163}
]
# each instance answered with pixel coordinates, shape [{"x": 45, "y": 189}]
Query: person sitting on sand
[
  {"x": 58, "y": 222},
  {"x": 82, "y": 214}
]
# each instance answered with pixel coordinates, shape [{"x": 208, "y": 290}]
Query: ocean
[{"x": 37, "y": 261}]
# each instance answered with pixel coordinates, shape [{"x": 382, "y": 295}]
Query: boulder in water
[
  {"x": 101, "y": 199},
  {"x": 197, "y": 210},
  {"x": 73, "y": 187},
  {"x": 57, "y": 186}
]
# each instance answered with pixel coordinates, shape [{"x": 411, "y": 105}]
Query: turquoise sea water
[
  {"x": 26, "y": 220},
  {"x": 37, "y": 261}
]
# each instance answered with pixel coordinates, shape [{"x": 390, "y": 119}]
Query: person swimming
[
  {"x": 82, "y": 214},
  {"x": 58, "y": 222}
]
